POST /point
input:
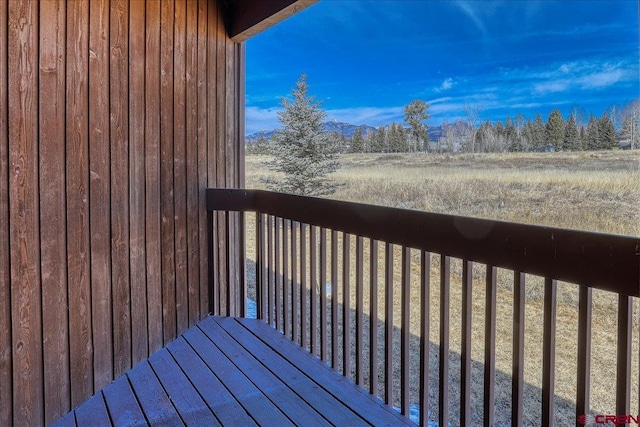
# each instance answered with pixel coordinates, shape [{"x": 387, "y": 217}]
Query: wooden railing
[{"x": 305, "y": 287}]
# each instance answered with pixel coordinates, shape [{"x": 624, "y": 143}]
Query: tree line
[{"x": 618, "y": 127}]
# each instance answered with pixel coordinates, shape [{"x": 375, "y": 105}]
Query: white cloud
[
  {"x": 257, "y": 118},
  {"x": 447, "y": 84},
  {"x": 373, "y": 116}
]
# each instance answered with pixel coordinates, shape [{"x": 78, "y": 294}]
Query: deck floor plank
[
  {"x": 299, "y": 411},
  {"x": 192, "y": 408},
  {"x": 153, "y": 399},
  {"x": 232, "y": 372},
  {"x": 122, "y": 403},
  {"x": 227, "y": 409},
  {"x": 371, "y": 409},
  {"x": 93, "y": 412},
  {"x": 325, "y": 403},
  {"x": 257, "y": 404}
]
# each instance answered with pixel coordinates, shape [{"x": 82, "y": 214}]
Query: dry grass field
[{"x": 597, "y": 191}]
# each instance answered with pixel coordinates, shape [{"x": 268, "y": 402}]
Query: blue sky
[{"x": 366, "y": 59}]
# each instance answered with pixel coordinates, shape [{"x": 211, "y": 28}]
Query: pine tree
[
  {"x": 607, "y": 133},
  {"x": 554, "y": 130},
  {"x": 301, "y": 150},
  {"x": 415, "y": 113},
  {"x": 538, "y": 133},
  {"x": 593, "y": 134},
  {"x": 377, "y": 138},
  {"x": 357, "y": 142},
  {"x": 571, "y": 135}
]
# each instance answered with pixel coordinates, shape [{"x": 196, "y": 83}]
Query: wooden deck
[{"x": 231, "y": 371}]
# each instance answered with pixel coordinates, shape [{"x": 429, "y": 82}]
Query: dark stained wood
[
  {"x": 303, "y": 286},
  {"x": 286, "y": 285},
  {"x": 569, "y": 255},
  {"x": 24, "y": 223},
  {"x": 248, "y": 18},
  {"x": 119, "y": 93},
  {"x": 152, "y": 175},
  {"x": 295, "y": 289},
  {"x": 425, "y": 288},
  {"x": 6, "y": 380},
  {"x": 335, "y": 336},
  {"x": 122, "y": 403},
  {"x": 69, "y": 420},
  {"x": 278, "y": 275},
  {"x": 180, "y": 161},
  {"x": 490, "y": 345},
  {"x": 193, "y": 126},
  {"x": 53, "y": 210},
  {"x": 549, "y": 351},
  {"x": 313, "y": 288},
  {"x": 359, "y": 311},
  {"x": 137, "y": 208},
  {"x": 465, "y": 352},
  {"x": 346, "y": 310},
  {"x": 77, "y": 197},
  {"x": 585, "y": 317},
  {"x": 203, "y": 148},
  {"x": 167, "y": 190},
  {"x": 261, "y": 294},
  {"x": 270, "y": 273},
  {"x": 373, "y": 317},
  {"x": 323, "y": 295},
  {"x": 405, "y": 331},
  {"x": 517, "y": 373},
  {"x": 445, "y": 296},
  {"x": 100, "y": 193},
  {"x": 388, "y": 324},
  {"x": 624, "y": 355}
]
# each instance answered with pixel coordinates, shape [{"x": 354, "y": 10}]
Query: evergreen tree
[
  {"x": 377, "y": 140},
  {"x": 554, "y": 130},
  {"x": 607, "y": 133},
  {"x": 415, "y": 113},
  {"x": 397, "y": 139},
  {"x": 357, "y": 142},
  {"x": 302, "y": 151},
  {"x": 538, "y": 133},
  {"x": 593, "y": 134},
  {"x": 572, "y": 135},
  {"x": 583, "y": 138}
]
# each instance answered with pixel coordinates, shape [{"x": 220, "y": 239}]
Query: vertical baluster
[
  {"x": 388, "y": 324},
  {"x": 271, "y": 269},
  {"x": 334, "y": 299},
  {"x": 373, "y": 318},
  {"x": 517, "y": 372},
  {"x": 346, "y": 322},
  {"x": 425, "y": 288},
  {"x": 465, "y": 356},
  {"x": 295, "y": 300},
  {"x": 228, "y": 268},
  {"x": 584, "y": 350},
  {"x": 323, "y": 294},
  {"x": 405, "y": 330},
  {"x": 213, "y": 262},
  {"x": 490, "y": 347},
  {"x": 286, "y": 294},
  {"x": 242, "y": 307},
  {"x": 277, "y": 274},
  {"x": 303, "y": 285},
  {"x": 624, "y": 347},
  {"x": 549, "y": 350},
  {"x": 359, "y": 311},
  {"x": 313, "y": 289},
  {"x": 260, "y": 266},
  {"x": 443, "y": 398}
]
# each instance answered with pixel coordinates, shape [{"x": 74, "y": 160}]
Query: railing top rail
[{"x": 602, "y": 261}]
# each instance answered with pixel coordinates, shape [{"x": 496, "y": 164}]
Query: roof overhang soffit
[{"x": 246, "y": 18}]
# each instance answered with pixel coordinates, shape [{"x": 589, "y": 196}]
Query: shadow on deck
[{"x": 232, "y": 371}]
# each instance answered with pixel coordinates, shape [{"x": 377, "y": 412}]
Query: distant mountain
[{"x": 346, "y": 129}]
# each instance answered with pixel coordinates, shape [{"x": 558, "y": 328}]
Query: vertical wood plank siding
[{"x": 115, "y": 116}]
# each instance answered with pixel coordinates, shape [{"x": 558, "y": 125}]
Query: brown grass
[{"x": 588, "y": 191}]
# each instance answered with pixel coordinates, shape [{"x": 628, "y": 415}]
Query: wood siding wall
[{"x": 115, "y": 115}]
